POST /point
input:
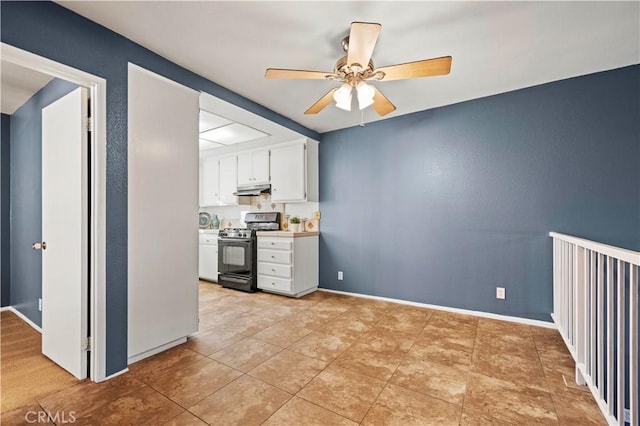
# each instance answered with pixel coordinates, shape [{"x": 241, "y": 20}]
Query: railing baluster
[
  {"x": 600, "y": 342},
  {"x": 572, "y": 299},
  {"x": 591, "y": 345},
  {"x": 565, "y": 288},
  {"x": 580, "y": 311},
  {"x": 554, "y": 266},
  {"x": 620, "y": 348},
  {"x": 567, "y": 300},
  {"x": 633, "y": 344},
  {"x": 610, "y": 334}
]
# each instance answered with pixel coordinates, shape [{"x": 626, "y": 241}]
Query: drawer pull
[
  {"x": 273, "y": 244},
  {"x": 273, "y": 270},
  {"x": 273, "y": 257}
]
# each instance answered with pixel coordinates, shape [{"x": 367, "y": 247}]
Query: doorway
[{"x": 94, "y": 177}]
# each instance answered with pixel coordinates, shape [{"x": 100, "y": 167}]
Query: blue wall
[
  {"x": 5, "y": 264},
  {"x": 26, "y": 198},
  {"x": 443, "y": 205},
  {"x": 54, "y": 32}
]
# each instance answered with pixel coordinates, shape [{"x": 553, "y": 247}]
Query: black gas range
[{"x": 238, "y": 251}]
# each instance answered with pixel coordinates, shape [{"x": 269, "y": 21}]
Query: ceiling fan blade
[
  {"x": 297, "y": 74},
  {"x": 362, "y": 40},
  {"x": 321, "y": 103},
  {"x": 381, "y": 104},
  {"x": 424, "y": 68}
]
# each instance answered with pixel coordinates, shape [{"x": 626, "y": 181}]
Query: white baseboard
[
  {"x": 22, "y": 317},
  {"x": 157, "y": 350},
  {"x": 520, "y": 320},
  {"x": 119, "y": 373}
]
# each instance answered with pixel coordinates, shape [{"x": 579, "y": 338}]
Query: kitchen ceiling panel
[
  {"x": 210, "y": 121},
  {"x": 232, "y": 134}
]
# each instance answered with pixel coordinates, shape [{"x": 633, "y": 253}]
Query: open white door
[
  {"x": 64, "y": 230},
  {"x": 162, "y": 213}
]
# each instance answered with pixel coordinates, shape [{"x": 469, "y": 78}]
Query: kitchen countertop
[
  {"x": 209, "y": 231},
  {"x": 287, "y": 234}
]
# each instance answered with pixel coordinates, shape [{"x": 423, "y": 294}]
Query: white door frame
[{"x": 97, "y": 87}]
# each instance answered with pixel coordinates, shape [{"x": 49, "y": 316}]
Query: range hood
[{"x": 244, "y": 191}]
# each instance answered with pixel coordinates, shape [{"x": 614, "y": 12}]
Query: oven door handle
[
  {"x": 233, "y": 280},
  {"x": 234, "y": 240}
]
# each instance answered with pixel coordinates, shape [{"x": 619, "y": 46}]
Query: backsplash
[{"x": 230, "y": 216}]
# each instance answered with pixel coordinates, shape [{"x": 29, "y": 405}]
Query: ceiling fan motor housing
[{"x": 354, "y": 75}]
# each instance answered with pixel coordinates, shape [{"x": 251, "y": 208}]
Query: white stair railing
[{"x": 595, "y": 307}]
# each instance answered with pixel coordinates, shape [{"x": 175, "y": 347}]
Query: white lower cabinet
[
  {"x": 288, "y": 265},
  {"x": 208, "y": 255}
]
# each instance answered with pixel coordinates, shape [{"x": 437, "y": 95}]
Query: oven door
[{"x": 235, "y": 256}]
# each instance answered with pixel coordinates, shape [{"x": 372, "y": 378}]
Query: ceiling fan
[{"x": 354, "y": 69}]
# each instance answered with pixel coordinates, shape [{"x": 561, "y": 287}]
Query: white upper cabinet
[
  {"x": 291, "y": 168},
  {"x": 228, "y": 180},
  {"x": 289, "y": 172},
  {"x": 261, "y": 166},
  {"x": 253, "y": 167},
  {"x": 209, "y": 182}
]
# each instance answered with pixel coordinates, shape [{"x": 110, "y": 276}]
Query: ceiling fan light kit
[
  {"x": 352, "y": 73},
  {"x": 342, "y": 96},
  {"x": 365, "y": 95}
]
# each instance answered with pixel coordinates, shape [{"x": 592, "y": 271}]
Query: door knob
[{"x": 39, "y": 246}]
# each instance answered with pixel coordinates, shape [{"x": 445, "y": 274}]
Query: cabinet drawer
[
  {"x": 209, "y": 239},
  {"x": 273, "y": 283},
  {"x": 283, "y": 271},
  {"x": 276, "y": 244},
  {"x": 274, "y": 256}
]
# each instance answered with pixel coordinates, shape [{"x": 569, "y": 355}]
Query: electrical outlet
[
  {"x": 627, "y": 416},
  {"x": 340, "y": 276},
  {"x": 316, "y": 215},
  {"x": 40, "y": 304},
  {"x": 500, "y": 293}
]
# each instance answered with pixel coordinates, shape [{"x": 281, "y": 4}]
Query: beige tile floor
[{"x": 328, "y": 359}]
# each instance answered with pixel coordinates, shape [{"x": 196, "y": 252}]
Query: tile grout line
[
  {"x": 222, "y": 387},
  {"x": 329, "y": 363},
  {"x": 388, "y": 381},
  {"x": 551, "y": 394},
  {"x": 466, "y": 386}
]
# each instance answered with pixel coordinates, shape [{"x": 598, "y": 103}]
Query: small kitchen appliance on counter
[{"x": 238, "y": 251}]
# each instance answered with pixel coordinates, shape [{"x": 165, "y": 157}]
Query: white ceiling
[
  {"x": 496, "y": 46},
  {"x": 18, "y": 85}
]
